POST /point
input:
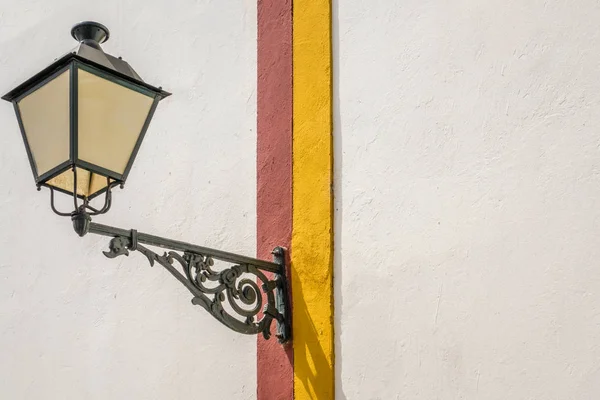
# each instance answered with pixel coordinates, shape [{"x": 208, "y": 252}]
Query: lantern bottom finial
[{"x": 81, "y": 222}]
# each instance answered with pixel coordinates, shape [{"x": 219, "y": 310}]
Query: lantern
[{"x": 84, "y": 117}]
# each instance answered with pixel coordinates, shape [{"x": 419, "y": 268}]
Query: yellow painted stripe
[{"x": 312, "y": 236}]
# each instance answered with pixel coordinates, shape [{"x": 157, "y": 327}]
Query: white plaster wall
[
  {"x": 74, "y": 324},
  {"x": 467, "y": 166}
]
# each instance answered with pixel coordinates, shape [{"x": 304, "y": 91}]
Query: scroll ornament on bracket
[{"x": 233, "y": 295}]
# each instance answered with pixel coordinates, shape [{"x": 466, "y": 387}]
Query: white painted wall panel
[
  {"x": 76, "y": 325},
  {"x": 467, "y": 190}
]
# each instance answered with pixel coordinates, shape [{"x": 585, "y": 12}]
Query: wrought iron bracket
[{"x": 246, "y": 296}]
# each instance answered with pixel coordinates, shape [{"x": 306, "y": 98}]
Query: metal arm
[
  {"x": 234, "y": 295},
  {"x": 231, "y": 293}
]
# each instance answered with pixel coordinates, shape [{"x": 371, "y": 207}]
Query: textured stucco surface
[
  {"x": 467, "y": 185},
  {"x": 275, "y": 364},
  {"x": 76, "y": 325},
  {"x": 312, "y": 236}
]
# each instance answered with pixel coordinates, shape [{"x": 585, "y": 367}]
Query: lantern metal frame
[
  {"x": 230, "y": 294},
  {"x": 72, "y": 63}
]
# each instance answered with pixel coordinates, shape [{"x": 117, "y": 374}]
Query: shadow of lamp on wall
[{"x": 82, "y": 120}]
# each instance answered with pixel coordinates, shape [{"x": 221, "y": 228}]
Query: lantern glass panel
[
  {"x": 88, "y": 183},
  {"x": 45, "y": 117},
  {"x": 110, "y": 119}
]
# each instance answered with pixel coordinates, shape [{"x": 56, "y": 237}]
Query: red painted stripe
[{"x": 275, "y": 373}]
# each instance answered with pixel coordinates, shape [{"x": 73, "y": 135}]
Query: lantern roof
[{"x": 88, "y": 51}]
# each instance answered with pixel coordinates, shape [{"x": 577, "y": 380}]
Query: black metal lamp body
[{"x": 83, "y": 119}]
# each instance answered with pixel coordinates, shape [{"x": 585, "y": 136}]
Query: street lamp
[{"x": 82, "y": 120}]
